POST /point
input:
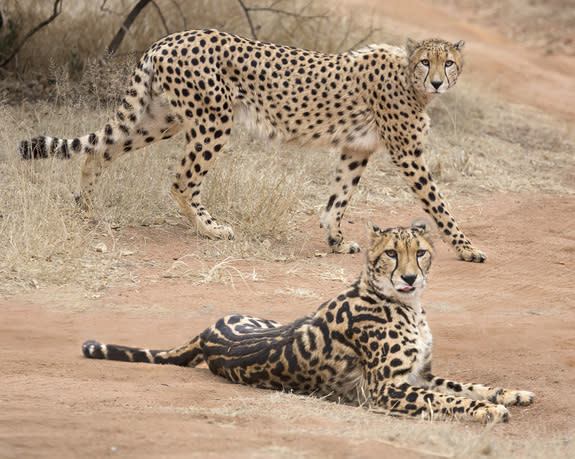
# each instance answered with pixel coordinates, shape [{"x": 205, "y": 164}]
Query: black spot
[
  {"x": 412, "y": 397},
  {"x": 396, "y": 394},
  {"x": 64, "y": 153},
  {"x": 330, "y": 202},
  {"x": 76, "y": 145}
]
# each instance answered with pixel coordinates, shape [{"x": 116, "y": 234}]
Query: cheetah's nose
[
  {"x": 436, "y": 84},
  {"x": 409, "y": 278}
]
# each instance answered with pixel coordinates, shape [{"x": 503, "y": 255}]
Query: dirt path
[
  {"x": 521, "y": 75},
  {"x": 508, "y": 322}
]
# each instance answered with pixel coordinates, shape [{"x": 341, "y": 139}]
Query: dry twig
[
  {"x": 56, "y": 10},
  {"x": 117, "y": 40},
  {"x": 270, "y": 9}
]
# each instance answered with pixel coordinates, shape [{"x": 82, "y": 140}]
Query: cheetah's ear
[
  {"x": 371, "y": 227},
  {"x": 422, "y": 225},
  {"x": 459, "y": 45},
  {"x": 411, "y": 45},
  {"x": 372, "y": 230}
]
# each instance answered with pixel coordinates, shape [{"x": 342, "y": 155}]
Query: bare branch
[
  {"x": 162, "y": 18},
  {"x": 57, "y": 9},
  {"x": 271, "y": 9},
  {"x": 286, "y": 13},
  {"x": 104, "y": 9},
  {"x": 117, "y": 40},
  {"x": 248, "y": 18},
  {"x": 184, "y": 19},
  {"x": 364, "y": 39}
]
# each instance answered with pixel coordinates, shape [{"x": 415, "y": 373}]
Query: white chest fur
[{"x": 423, "y": 343}]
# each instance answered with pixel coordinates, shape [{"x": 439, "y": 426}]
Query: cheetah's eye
[
  {"x": 425, "y": 62},
  {"x": 421, "y": 253},
  {"x": 391, "y": 253},
  {"x": 449, "y": 63}
]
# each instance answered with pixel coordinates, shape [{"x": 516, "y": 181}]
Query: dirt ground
[{"x": 509, "y": 322}]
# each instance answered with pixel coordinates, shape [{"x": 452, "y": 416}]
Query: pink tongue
[{"x": 407, "y": 288}]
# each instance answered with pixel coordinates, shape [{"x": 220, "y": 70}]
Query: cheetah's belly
[
  {"x": 369, "y": 141},
  {"x": 361, "y": 135}
]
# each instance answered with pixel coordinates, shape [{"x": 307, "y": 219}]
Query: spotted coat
[
  {"x": 201, "y": 82},
  {"x": 370, "y": 345}
]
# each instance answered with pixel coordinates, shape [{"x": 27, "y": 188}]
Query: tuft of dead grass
[{"x": 222, "y": 272}]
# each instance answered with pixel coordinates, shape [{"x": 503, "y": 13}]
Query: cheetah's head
[
  {"x": 434, "y": 64},
  {"x": 398, "y": 261}
]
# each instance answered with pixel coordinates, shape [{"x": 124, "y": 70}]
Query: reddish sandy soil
[
  {"x": 508, "y": 322},
  {"x": 521, "y": 75}
]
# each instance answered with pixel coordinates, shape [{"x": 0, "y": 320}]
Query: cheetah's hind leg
[
  {"x": 205, "y": 138},
  {"x": 347, "y": 175}
]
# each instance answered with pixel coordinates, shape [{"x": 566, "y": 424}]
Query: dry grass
[
  {"x": 222, "y": 272},
  {"x": 366, "y": 429}
]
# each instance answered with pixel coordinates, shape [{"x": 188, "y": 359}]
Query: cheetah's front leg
[
  {"x": 347, "y": 175},
  {"x": 474, "y": 391},
  {"x": 416, "y": 401},
  {"x": 414, "y": 171}
]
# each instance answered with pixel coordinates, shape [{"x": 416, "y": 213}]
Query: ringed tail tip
[{"x": 92, "y": 349}]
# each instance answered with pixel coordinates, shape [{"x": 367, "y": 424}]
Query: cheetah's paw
[
  {"x": 491, "y": 414},
  {"x": 84, "y": 203},
  {"x": 516, "y": 397},
  {"x": 219, "y": 232},
  {"x": 346, "y": 247},
  {"x": 469, "y": 253}
]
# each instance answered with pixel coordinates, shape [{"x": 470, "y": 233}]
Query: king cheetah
[{"x": 369, "y": 345}]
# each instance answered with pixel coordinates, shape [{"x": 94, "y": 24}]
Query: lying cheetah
[
  {"x": 202, "y": 81},
  {"x": 369, "y": 345}
]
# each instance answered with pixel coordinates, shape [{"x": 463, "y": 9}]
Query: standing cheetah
[
  {"x": 368, "y": 345},
  {"x": 202, "y": 81}
]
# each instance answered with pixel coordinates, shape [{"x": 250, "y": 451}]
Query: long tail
[
  {"x": 188, "y": 355},
  {"x": 114, "y": 135},
  {"x": 44, "y": 146}
]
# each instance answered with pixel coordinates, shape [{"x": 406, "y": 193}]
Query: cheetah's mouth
[{"x": 406, "y": 289}]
